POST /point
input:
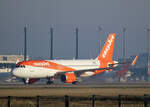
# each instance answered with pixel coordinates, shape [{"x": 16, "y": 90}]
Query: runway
[
  {"x": 7, "y": 82},
  {"x": 13, "y": 87},
  {"x": 80, "y": 85}
]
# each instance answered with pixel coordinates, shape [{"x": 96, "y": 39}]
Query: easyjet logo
[
  {"x": 108, "y": 47},
  {"x": 42, "y": 64}
]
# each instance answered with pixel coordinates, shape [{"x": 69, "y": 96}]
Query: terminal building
[{"x": 9, "y": 61}]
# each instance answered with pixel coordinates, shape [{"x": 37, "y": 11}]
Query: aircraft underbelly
[
  {"x": 84, "y": 67},
  {"x": 39, "y": 73}
]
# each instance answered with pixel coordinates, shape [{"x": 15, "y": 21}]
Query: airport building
[{"x": 9, "y": 61}]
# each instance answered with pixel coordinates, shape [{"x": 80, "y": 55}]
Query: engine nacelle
[
  {"x": 68, "y": 78},
  {"x": 112, "y": 64},
  {"x": 115, "y": 63}
]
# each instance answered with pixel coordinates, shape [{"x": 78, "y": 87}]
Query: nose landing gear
[{"x": 26, "y": 80}]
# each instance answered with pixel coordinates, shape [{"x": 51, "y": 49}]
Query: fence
[{"x": 76, "y": 101}]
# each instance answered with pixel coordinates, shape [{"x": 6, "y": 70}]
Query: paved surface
[
  {"x": 10, "y": 86},
  {"x": 7, "y": 81},
  {"x": 63, "y": 86}
]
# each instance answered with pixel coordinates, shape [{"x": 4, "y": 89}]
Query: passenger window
[{"x": 22, "y": 66}]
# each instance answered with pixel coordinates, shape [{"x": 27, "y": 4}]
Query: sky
[{"x": 64, "y": 16}]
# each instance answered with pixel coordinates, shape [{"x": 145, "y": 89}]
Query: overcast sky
[{"x": 64, "y": 16}]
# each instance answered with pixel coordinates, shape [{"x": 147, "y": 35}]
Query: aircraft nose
[
  {"x": 19, "y": 72},
  {"x": 14, "y": 72}
]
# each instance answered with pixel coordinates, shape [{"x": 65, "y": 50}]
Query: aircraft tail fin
[
  {"x": 107, "y": 51},
  {"x": 135, "y": 60}
]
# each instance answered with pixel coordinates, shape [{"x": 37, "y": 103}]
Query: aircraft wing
[{"x": 79, "y": 72}]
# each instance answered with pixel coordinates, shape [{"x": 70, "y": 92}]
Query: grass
[
  {"x": 75, "y": 92},
  {"x": 80, "y": 97}
]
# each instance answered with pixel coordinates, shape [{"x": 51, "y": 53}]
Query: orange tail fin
[
  {"x": 135, "y": 60},
  {"x": 106, "y": 54}
]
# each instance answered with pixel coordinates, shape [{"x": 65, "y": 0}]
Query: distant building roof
[{"x": 11, "y": 58}]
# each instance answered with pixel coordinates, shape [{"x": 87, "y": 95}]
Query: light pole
[
  {"x": 77, "y": 32},
  {"x": 148, "y": 70},
  {"x": 148, "y": 32},
  {"x": 25, "y": 43},
  {"x": 99, "y": 34},
  {"x": 51, "y": 43},
  {"x": 124, "y": 30}
]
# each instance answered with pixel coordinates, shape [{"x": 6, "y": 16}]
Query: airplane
[
  {"x": 123, "y": 72},
  {"x": 68, "y": 71}
]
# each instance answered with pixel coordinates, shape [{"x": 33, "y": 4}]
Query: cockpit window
[{"x": 20, "y": 66}]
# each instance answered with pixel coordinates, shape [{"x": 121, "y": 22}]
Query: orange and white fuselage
[
  {"x": 48, "y": 68},
  {"x": 69, "y": 68}
]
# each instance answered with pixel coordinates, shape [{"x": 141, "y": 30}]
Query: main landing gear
[
  {"x": 75, "y": 83},
  {"x": 26, "y": 81},
  {"x": 50, "y": 80}
]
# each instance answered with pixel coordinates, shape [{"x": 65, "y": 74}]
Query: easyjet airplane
[
  {"x": 126, "y": 67},
  {"x": 68, "y": 71}
]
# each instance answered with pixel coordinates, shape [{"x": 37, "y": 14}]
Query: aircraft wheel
[
  {"x": 50, "y": 81},
  {"x": 26, "y": 81},
  {"x": 75, "y": 83}
]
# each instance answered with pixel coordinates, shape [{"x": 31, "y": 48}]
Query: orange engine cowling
[{"x": 68, "y": 78}]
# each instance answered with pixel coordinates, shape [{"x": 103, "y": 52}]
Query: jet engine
[
  {"x": 112, "y": 64},
  {"x": 68, "y": 78}
]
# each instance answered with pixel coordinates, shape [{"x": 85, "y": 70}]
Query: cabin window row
[{"x": 20, "y": 66}]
